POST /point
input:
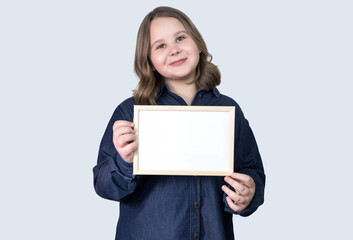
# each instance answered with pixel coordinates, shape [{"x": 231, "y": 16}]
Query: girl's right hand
[{"x": 124, "y": 139}]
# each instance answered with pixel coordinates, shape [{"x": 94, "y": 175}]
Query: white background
[{"x": 65, "y": 66}]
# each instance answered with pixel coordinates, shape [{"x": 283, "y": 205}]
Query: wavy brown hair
[{"x": 146, "y": 93}]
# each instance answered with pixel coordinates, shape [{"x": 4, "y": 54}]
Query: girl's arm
[
  {"x": 247, "y": 162},
  {"x": 113, "y": 178}
]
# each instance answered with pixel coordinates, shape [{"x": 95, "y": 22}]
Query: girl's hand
[
  {"x": 124, "y": 139},
  {"x": 244, "y": 190}
]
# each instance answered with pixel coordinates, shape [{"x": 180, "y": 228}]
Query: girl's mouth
[{"x": 178, "y": 62}]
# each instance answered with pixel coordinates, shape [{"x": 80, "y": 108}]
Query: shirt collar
[
  {"x": 166, "y": 88},
  {"x": 216, "y": 92},
  {"x": 163, "y": 88}
]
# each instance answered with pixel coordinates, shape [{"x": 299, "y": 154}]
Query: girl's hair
[{"x": 146, "y": 93}]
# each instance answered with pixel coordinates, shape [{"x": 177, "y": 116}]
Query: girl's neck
[{"x": 186, "y": 90}]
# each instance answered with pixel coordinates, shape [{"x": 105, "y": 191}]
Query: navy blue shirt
[{"x": 176, "y": 207}]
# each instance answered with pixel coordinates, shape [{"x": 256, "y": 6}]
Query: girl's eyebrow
[
  {"x": 161, "y": 40},
  {"x": 178, "y": 32}
]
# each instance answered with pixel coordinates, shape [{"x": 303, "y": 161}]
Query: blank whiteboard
[{"x": 184, "y": 140}]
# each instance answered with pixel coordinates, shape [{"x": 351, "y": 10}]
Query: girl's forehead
[
  {"x": 165, "y": 23},
  {"x": 163, "y": 27}
]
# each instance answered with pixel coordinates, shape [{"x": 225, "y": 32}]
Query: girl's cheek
[{"x": 159, "y": 59}]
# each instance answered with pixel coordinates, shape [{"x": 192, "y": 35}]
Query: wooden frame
[{"x": 184, "y": 140}]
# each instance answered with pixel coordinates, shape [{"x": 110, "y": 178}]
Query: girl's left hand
[{"x": 244, "y": 190}]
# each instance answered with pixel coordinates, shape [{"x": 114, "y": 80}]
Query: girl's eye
[
  {"x": 181, "y": 38},
  {"x": 161, "y": 46}
]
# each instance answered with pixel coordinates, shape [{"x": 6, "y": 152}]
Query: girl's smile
[
  {"x": 174, "y": 54},
  {"x": 178, "y": 62}
]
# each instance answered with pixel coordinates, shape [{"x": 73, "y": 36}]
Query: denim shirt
[{"x": 176, "y": 207}]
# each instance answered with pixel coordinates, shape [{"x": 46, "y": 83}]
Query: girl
[{"x": 172, "y": 64}]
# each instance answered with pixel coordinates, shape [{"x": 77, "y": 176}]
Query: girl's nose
[{"x": 175, "y": 49}]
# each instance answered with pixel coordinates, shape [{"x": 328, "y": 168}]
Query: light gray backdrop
[{"x": 65, "y": 66}]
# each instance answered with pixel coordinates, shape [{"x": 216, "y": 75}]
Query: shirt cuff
[{"x": 125, "y": 167}]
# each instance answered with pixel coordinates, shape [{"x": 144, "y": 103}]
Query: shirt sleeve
[
  {"x": 247, "y": 160},
  {"x": 113, "y": 177}
]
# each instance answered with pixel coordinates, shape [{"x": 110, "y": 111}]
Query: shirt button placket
[
  {"x": 195, "y": 201},
  {"x": 196, "y": 210},
  {"x": 200, "y": 96}
]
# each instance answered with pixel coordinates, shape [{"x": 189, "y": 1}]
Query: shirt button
[
  {"x": 196, "y": 204},
  {"x": 195, "y": 236}
]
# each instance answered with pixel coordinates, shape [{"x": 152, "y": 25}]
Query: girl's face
[{"x": 174, "y": 53}]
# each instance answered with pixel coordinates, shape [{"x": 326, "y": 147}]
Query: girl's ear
[{"x": 209, "y": 57}]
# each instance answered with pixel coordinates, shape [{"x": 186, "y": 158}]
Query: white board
[{"x": 184, "y": 140}]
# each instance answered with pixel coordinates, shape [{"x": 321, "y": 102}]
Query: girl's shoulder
[
  {"x": 229, "y": 101},
  {"x": 125, "y": 110},
  {"x": 128, "y": 103}
]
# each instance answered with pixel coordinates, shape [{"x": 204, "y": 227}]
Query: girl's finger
[
  {"x": 246, "y": 179},
  {"x": 235, "y": 197},
  {"x": 124, "y": 130},
  {"x": 234, "y": 206},
  {"x": 125, "y": 139},
  {"x": 238, "y": 187},
  {"x": 122, "y": 123},
  {"x": 128, "y": 149}
]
